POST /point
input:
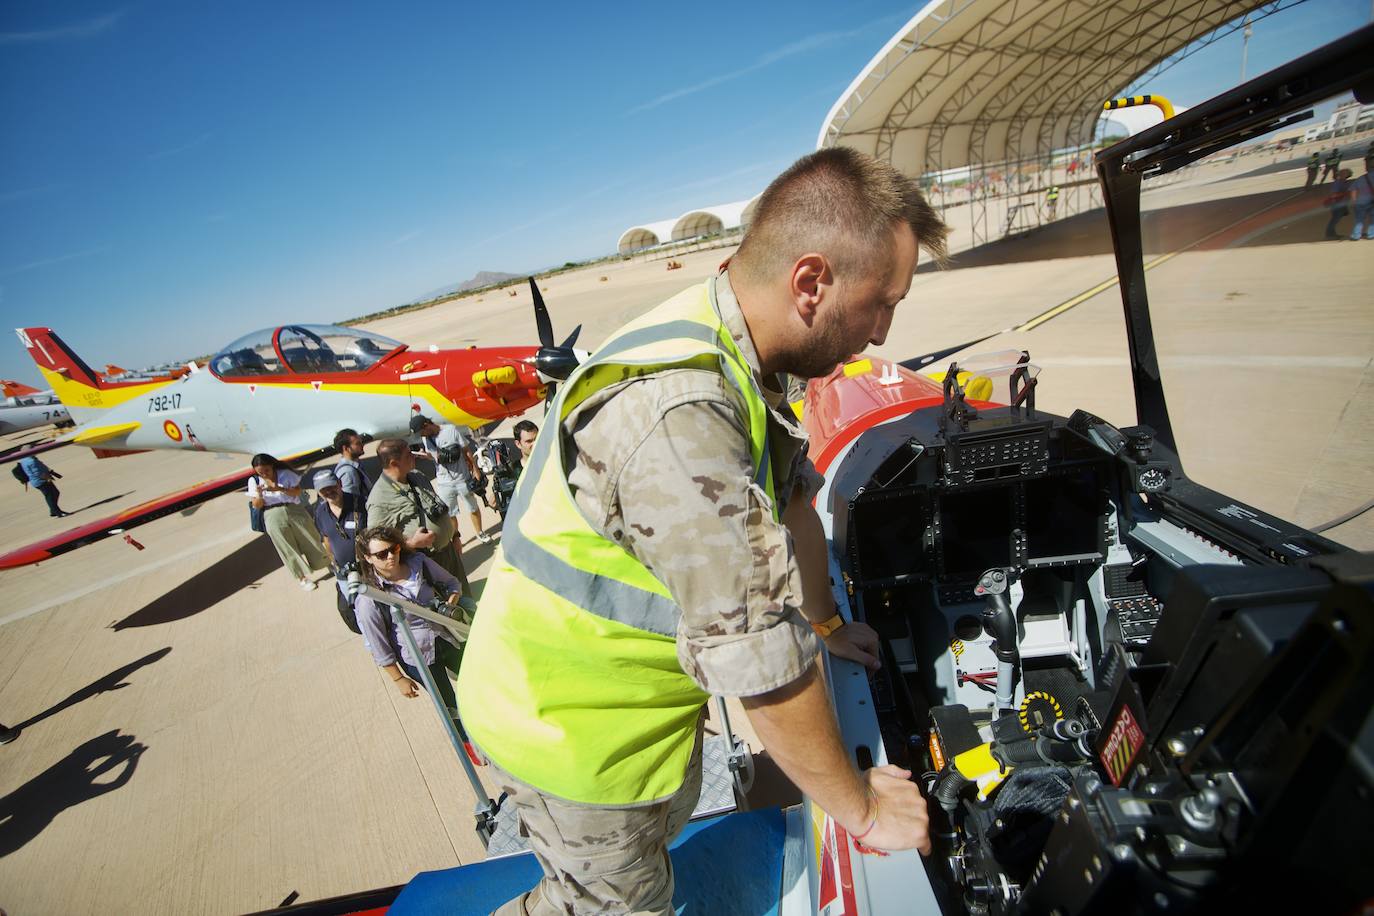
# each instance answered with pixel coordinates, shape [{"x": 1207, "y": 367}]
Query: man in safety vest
[
  {"x": 1052, "y": 200},
  {"x": 1314, "y": 164},
  {"x": 661, "y": 546}
]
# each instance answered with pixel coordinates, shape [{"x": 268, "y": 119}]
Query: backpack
[{"x": 19, "y": 474}]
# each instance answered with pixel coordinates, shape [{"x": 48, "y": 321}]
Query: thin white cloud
[
  {"x": 178, "y": 150},
  {"x": 551, "y": 213},
  {"x": 810, "y": 43},
  {"x": 90, "y": 28},
  {"x": 770, "y": 165},
  {"x": 25, "y": 193},
  {"x": 48, "y": 262},
  {"x": 412, "y": 234}
]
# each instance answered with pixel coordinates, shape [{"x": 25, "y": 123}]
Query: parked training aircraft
[
  {"x": 286, "y": 391},
  {"x": 25, "y": 407}
]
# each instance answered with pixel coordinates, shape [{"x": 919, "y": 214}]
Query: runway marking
[
  {"x": 1211, "y": 361},
  {"x": 126, "y": 575},
  {"x": 1114, "y": 279}
]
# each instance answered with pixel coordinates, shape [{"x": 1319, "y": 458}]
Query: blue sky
[{"x": 173, "y": 175}]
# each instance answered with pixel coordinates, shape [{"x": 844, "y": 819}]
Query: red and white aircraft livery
[{"x": 285, "y": 391}]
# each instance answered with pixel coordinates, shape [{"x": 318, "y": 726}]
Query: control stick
[{"x": 999, "y": 622}]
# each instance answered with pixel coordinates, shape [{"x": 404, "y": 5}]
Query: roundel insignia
[{"x": 172, "y": 430}]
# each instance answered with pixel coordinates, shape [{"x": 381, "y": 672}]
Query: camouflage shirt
[{"x": 661, "y": 465}]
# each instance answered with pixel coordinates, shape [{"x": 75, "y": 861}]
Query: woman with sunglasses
[
  {"x": 386, "y": 563},
  {"x": 276, "y": 490}
]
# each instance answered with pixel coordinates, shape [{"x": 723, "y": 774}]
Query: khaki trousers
[
  {"x": 600, "y": 860},
  {"x": 293, "y": 533}
]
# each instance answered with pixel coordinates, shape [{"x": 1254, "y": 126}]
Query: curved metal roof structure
[
  {"x": 645, "y": 236},
  {"x": 693, "y": 223},
  {"x": 708, "y": 220},
  {"x": 966, "y": 82}
]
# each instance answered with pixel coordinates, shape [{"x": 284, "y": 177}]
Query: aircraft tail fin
[
  {"x": 76, "y": 385},
  {"x": 12, "y": 389}
]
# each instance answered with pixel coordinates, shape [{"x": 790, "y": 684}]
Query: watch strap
[{"x": 827, "y": 627}]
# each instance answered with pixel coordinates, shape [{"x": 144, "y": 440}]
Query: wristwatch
[{"x": 830, "y": 626}]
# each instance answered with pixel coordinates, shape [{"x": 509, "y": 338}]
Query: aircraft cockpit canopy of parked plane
[{"x": 302, "y": 348}]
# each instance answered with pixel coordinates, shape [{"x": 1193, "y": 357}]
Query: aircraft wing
[
  {"x": 38, "y": 449},
  {"x": 121, "y": 522}
]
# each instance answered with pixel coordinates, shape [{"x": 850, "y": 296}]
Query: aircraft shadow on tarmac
[
  {"x": 99, "y": 502},
  {"x": 100, "y": 765},
  {"x": 227, "y": 576},
  {"x": 112, "y": 681},
  {"x": 1297, "y": 215}
]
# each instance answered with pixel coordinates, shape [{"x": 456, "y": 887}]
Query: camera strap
[{"x": 420, "y": 512}]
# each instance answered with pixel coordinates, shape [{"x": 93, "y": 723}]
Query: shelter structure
[
  {"x": 996, "y": 102},
  {"x": 647, "y": 235},
  {"x": 720, "y": 219}
]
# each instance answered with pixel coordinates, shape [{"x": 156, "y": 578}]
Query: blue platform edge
[{"x": 727, "y": 864}]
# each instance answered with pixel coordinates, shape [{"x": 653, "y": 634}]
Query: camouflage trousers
[{"x": 600, "y": 860}]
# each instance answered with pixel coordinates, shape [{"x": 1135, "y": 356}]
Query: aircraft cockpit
[
  {"x": 1125, "y": 689},
  {"x": 302, "y": 349}
]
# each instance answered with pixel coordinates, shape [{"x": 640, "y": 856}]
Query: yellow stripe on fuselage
[
  {"x": 411, "y": 392},
  {"x": 79, "y": 394}
]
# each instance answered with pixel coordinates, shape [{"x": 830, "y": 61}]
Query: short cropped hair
[
  {"x": 388, "y": 450},
  {"x": 843, "y": 204},
  {"x": 343, "y": 437},
  {"x": 524, "y": 426}
]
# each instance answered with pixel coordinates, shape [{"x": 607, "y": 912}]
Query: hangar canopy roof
[
  {"x": 701, "y": 221},
  {"x": 966, "y": 82}
]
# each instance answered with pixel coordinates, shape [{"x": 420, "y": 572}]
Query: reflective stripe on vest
[{"x": 571, "y": 680}]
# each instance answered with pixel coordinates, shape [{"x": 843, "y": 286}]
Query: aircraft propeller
[{"x": 553, "y": 362}]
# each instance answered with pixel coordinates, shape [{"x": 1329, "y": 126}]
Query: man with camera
[
  {"x": 455, "y": 475},
  {"x": 506, "y": 467},
  {"x": 402, "y": 498}
]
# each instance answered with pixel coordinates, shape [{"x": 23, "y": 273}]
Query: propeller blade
[
  {"x": 541, "y": 316},
  {"x": 917, "y": 363},
  {"x": 572, "y": 338}
]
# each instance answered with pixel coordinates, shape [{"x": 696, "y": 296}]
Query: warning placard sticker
[{"x": 1124, "y": 741}]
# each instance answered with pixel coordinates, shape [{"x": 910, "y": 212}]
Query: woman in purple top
[{"x": 389, "y": 565}]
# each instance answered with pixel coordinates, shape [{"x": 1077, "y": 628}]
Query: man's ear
[{"x": 810, "y": 281}]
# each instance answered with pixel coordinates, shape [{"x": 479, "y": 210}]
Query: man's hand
[
  {"x": 857, "y": 642},
  {"x": 258, "y": 502},
  {"x": 901, "y": 818},
  {"x": 420, "y": 540},
  {"x": 411, "y": 690}
]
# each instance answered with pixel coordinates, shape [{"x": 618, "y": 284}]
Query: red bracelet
[{"x": 871, "y": 824}]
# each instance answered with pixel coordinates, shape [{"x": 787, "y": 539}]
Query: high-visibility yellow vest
[{"x": 570, "y": 680}]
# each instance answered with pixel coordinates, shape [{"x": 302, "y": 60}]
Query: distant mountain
[{"x": 480, "y": 279}]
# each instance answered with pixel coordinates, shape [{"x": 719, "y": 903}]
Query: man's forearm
[
  {"x": 797, "y": 725},
  {"x": 813, "y": 559}
]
